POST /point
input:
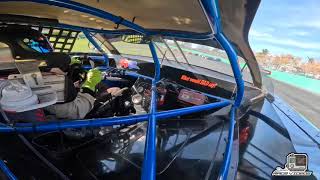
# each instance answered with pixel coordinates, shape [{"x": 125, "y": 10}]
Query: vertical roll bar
[
  {"x": 211, "y": 9},
  {"x": 149, "y": 162}
]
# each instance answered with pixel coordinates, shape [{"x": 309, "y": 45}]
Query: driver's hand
[
  {"x": 94, "y": 76},
  {"x": 75, "y": 60},
  {"x": 107, "y": 95},
  {"x": 76, "y": 84},
  {"x": 57, "y": 71},
  {"x": 113, "y": 91}
]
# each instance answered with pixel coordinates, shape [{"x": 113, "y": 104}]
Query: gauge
[
  {"x": 26, "y": 40},
  {"x": 140, "y": 89},
  {"x": 136, "y": 99},
  {"x": 191, "y": 97}
]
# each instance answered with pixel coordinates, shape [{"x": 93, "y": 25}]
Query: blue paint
[
  {"x": 223, "y": 174},
  {"x": 233, "y": 58},
  {"x": 156, "y": 62},
  {"x": 212, "y": 9},
  {"x": 100, "y": 122},
  {"x": 88, "y": 67},
  {"x": 149, "y": 162},
  {"x": 7, "y": 171},
  {"x": 192, "y": 109}
]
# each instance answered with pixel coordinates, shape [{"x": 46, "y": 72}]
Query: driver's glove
[{"x": 94, "y": 76}]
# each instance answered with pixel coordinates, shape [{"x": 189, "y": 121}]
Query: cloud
[
  {"x": 269, "y": 29},
  {"x": 315, "y": 24},
  {"x": 306, "y": 24},
  {"x": 268, "y": 38},
  {"x": 292, "y": 43},
  {"x": 258, "y": 34},
  {"x": 297, "y": 22},
  {"x": 299, "y": 33},
  {"x": 276, "y": 49},
  {"x": 290, "y": 26}
]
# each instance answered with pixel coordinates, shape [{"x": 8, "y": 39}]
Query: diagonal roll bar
[{"x": 7, "y": 171}]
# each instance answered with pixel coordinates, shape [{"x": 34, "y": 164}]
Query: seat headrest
[{"x": 6, "y": 58}]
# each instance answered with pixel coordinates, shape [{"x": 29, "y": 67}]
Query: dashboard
[{"x": 170, "y": 95}]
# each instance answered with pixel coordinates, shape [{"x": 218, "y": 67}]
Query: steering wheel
[
  {"x": 75, "y": 72},
  {"x": 115, "y": 104},
  {"x": 107, "y": 103}
]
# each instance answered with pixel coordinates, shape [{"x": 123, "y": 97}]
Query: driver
[{"x": 77, "y": 104}]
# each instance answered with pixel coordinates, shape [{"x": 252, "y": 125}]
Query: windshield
[
  {"x": 83, "y": 45},
  {"x": 193, "y": 54},
  {"x": 132, "y": 49}
]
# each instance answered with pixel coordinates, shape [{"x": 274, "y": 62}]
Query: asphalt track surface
[{"x": 305, "y": 102}]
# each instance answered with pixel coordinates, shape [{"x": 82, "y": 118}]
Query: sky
[{"x": 287, "y": 26}]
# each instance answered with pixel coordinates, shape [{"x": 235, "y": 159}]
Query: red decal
[
  {"x": 201, "y": 82},
  {"x": 213, "y": 85},
  {"x": 205, "y": 83},
  {"x": 185, "y": 78}
]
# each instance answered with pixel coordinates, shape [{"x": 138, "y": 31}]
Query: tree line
[{"x": 289, "y": 63}]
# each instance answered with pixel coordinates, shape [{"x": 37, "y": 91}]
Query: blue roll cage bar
[{"x": 211, "y": 11}]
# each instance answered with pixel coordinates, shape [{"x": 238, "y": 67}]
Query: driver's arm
[
  {"x": 84, "y": 102},
  {"x": 76, "y": 109}
]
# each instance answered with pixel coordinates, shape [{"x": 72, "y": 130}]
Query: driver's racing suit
[
  {"x": 76, "y": 109},
  {"x": 79, "y": 103},
  {"x": 83, "y": 102}
]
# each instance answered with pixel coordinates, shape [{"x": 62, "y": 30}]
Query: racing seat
[{"x": 6, "y": 57}]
